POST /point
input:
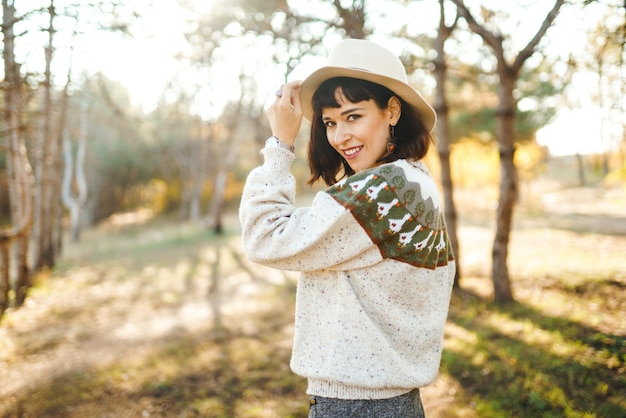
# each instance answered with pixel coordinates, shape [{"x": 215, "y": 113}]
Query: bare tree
[
  {"x": 227, "y": 159},
  {"x": 608, "y": 44},
  {"x": 46, "y": 158},
  {"x": 19, "y": 176},
  {"x": 74, "y": 173},
  {"x": 193, "y": 162},
  {"x": 225, "y": 165},
  {"x": 444, "y": 138},
  {"x": 508, "y": 73}
]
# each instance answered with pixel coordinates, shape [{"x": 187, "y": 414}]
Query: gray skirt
[{"x": 408, "y": 405}]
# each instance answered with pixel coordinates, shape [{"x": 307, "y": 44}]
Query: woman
[{"x": 377, "y": 266}]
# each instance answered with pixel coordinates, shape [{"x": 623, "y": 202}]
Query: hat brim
[{"x": 309, "y": 85}]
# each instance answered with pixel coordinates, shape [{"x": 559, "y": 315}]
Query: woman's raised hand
[{"x": 285, "y": 113}]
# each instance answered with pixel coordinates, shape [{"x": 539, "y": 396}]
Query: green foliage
[
  {"x": 120, "y": 155},
  {"x": 480, "y": 122},
  {"x": 118, "y": 172},
  {"x": 474, "y": 96},
  {"x": 539, "y": 90}
]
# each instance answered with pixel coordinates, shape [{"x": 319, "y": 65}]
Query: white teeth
[{"x": 352, "y": 151}]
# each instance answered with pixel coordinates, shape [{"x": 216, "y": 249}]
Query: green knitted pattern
[{"x": 404, "y": 224}]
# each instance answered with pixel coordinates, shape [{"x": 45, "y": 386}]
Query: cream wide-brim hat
[{"x": 358, "y": 58}]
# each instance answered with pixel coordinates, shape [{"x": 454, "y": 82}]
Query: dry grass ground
[{"x": 163, "y": 320}]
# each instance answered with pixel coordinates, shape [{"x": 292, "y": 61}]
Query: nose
[{"x": 342, "y": 134}]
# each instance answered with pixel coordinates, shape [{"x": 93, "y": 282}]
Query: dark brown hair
[{"x": 412, "y": 139}]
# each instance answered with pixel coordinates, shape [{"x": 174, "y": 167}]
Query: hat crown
[
  {"x": 365, "y": 60},
  {"x": 362, "y": 55}
]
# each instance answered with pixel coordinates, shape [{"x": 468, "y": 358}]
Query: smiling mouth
[{"x": 351, "y": 152}]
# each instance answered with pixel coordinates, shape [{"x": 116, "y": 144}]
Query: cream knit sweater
[{"x": 377, "y": 273}]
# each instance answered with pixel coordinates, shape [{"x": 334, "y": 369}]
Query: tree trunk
[
  {"x": 443, "y": 137},
  {"x": 195, "y": 201},
  {"x": 18, "y": 169},
  {"x": 183, "y": 209},
  {"x": 5, "y": 264},
  {"x": 580, "y": 164},
  {"x": 508, "y": 186},
  {"x": 226, "y": 164},
  {"x": 200, "y": 160},
  {"x": 56, "y": 216},
  {"x": 24, "y": 275},
  {"x": 45, "y": 170},
  {"x": 56, "y": 238},
  {"x": 192, "y": 161},
  {"x": 217, "y": 199},
  {"x": 74, "y": 204},
  {"x": 75, "y": 174}
]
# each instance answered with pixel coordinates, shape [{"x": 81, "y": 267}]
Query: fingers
[
  {"x": 288, "y": 98},
  {"x": 285, "y": 113},
  {"x": 296, "y": 98},
  {"x": 289, "y": 93}
]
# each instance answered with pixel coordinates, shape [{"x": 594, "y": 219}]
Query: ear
[{"x": 394, "y": 107}]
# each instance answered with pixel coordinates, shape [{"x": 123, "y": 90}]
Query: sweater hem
[{"x": 328, "y": 389}]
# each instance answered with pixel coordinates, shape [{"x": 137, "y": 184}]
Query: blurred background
[{"x": 128, "y": 129}]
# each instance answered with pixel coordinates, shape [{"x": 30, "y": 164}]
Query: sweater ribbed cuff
[
  {"x": 277, "y": 159},
  {"x": 329, "y": 389}
]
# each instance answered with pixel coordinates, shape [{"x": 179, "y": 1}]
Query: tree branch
[
  {"x": 530, "y": 48},
  {"x": 490, "y": 38},
  {"x": 446, "y": 31}
]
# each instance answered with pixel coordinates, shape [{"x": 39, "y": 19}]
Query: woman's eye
[
  {"x": 329, "y": 124},
  {"x": 353, "y": 117}
]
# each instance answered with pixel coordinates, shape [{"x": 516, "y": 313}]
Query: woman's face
[{"x": 359, "y": 131}]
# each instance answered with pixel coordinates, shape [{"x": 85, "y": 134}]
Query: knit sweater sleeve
[{"x": 278, "y": 234}]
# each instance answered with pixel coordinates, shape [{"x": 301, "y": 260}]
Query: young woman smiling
[{"x": 376, "y": 264}]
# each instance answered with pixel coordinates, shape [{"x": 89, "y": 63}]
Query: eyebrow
[{"x": 345, "y": 112}]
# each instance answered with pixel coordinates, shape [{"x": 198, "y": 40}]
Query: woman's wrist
[{"x": 274, "y": 142}]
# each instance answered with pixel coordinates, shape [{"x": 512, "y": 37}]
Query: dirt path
[{"x": 124, "y": 308}]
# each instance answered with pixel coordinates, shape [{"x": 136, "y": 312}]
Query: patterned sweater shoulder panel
[{"x": 397, "y": 205}]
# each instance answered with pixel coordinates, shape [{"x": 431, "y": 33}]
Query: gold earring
[{"x": 391, "y": 146}]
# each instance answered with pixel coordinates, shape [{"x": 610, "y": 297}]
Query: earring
[{"x": 391, "y": 146}]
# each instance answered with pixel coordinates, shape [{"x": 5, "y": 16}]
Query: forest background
[{"x": 530, "y": 104}]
